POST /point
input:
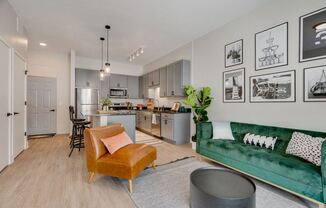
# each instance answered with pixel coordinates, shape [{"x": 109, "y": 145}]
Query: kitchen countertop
[{"x": 117, "y": 113}]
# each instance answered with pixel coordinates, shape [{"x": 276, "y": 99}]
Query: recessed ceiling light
[{"x": 43, "y": 44}]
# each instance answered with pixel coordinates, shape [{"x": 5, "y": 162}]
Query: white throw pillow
[
  {"x": 260, "y": 141},
  {"x": 306, "y": 147},
  {"x": 222, "y": 130}
]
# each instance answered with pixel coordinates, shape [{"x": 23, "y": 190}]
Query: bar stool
[{"x": 77, "y": 136}]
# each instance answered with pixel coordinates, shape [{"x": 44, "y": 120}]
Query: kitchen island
[{"x": 126, "y": 118}]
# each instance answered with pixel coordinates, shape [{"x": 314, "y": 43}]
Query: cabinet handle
[
  {"x": 164, "y": 93},
  {"x": 9, "y": 114},
  {"x": 118, "y": 84},
  {"x": 166, "y": 122},
  {"x": 172, "y": 92},
  {"x": 145, "y": 118},
  {"x": 15, "y": 113}
]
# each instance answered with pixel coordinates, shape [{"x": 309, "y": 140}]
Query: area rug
[{"x": 168, "y": 187}]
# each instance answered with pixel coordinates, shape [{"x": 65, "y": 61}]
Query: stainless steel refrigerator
[{"x": 87, "y": 101}]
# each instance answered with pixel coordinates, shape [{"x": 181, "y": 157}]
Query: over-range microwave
[{"x": 118, "y": 92}]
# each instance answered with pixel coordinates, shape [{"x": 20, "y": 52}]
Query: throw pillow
[
  {"x": 261, "y": 141},
  {"x": 116, "y": 142},
  {"x": 222, "y": 130},
  {"x": 306, "y": 147}
]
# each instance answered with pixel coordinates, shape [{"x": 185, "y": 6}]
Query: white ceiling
[{"x": 159, "y": 25}]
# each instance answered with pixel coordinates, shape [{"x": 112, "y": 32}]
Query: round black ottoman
[{"x": 220, "y": 188}]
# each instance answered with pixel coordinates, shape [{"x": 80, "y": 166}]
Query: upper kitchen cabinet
[
  {"x": 178, "y": 75},
  {"x": 133, "y": 87},
  {"x": 104, "y": 88},
  {"x": 154, "y": 78},
  {"x": 87, "y": 78},
  {"x": 144, "y": 86},
  {"x": 118, "y": 81},
  {"x": 163, "y": 85}
]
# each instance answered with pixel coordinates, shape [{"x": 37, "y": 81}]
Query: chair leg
[
  {"x": 90, "y": 177},
  {"x": 130, "y": 186},
  {"x": 153, "y": 165}
]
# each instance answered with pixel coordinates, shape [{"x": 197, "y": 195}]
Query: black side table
[{"x": 220, "y": 188}]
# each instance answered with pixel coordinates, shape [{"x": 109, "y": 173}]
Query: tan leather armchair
[{"x": 125, "y": 163}]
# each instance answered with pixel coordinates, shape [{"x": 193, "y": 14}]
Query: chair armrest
[
  {"x": 323, "y": 169},
  {"x": 204, "y": 131}
]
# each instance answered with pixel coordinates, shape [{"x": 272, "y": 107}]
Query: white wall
[
  {"x": 8, "y": 28},
  {"x": 208, "y": 63},
  {"x": 184, "y": 52},
  {"x": 116, "y": 67},
  {"x": 57, "y": 65}
]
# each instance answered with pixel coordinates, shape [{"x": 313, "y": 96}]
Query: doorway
[{"x": 41, "y": 106}]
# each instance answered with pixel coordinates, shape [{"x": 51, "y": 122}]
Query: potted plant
[
  {"x": 199, "y": 101},
  {"x": 105, "y": 104}
]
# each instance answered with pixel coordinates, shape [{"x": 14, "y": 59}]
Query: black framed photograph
[
  {"x": 234, "y": 86},
  {"x": 234, "y": 53},
  {"x": 274, "y": 87},
  {"x": 312, "y": 36},
  {"x": 314, "y": 84},
  {"x": 271, "y": 47}
]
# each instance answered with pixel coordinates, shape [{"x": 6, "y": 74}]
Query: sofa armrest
[
  {"x": 323, "y": 169},
  {"x": 204, "y": 130}
]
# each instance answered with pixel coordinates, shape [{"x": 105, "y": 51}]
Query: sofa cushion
[
  {"x": 222, "y": 129},
  {"x": 267, "y": 161},
  {"x": 116, "y": 142},
  {"x": 306, "y": 147}
]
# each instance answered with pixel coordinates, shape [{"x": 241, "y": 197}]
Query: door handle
[
  {"x": 15, "y": 113},
  {"x": 9, "y": 114},
  {"x": 53, "y": 110}
]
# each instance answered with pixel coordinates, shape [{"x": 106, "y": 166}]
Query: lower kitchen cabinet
[
  {"x": 175, "y": 128},
  {"x": 144, "y": 120}
]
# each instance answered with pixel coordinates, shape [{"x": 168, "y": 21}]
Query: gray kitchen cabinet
[
  {"x": 178, "y": 75},
  {"x": 133, "y": 87},
  {"x": 118, "y": 81},
  {"x": 154, "y": 78},
  {"x": 145, "y": 86},
  {"x": 163, "y": 85},
  {"x": 141, "y": 88},
  {"x": 104, "y": 88},
  {"x": 170, "y": 80},
  {"x": 85, "y": 78},
  {"x": 175, "y": 128},
  {"x": 167, "y": 129},
  {"x": 145, "y": 121}
]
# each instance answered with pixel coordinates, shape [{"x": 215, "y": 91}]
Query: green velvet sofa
[{"x": 272, "y": 166}]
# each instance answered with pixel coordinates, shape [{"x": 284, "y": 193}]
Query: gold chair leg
[
  {"x": 130, "y": 186},
  {"x": 199, "y": 157},
  {"x": 90, "y": 177},
  {"x": 153, "y": 165}
]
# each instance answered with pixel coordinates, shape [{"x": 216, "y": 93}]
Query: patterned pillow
[
  {"x": 306, "y": 147},
  {"x": 261, "y": 141}
]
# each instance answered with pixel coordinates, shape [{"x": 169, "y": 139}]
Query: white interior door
[
  {"x": 4, "y": 105},
  {"x": 18, "y": 89},
  {"x": 41, "y": 105}
]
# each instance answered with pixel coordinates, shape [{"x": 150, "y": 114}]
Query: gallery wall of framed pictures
[{"x": 271, "y": 52}]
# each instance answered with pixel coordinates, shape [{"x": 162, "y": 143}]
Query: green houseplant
[
  {"x": 199, "y": 101},
  {"x": 106, "y": 103}
]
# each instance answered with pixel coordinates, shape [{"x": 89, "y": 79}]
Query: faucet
[{"x": 158, "y": 104}]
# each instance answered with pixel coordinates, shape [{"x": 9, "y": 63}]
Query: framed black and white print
[
  {"x": 271, "y": 47},
  {"x": 233, "y": 53},
  {"x": 274, "y": 87},
  {"x": 314, "y": 84},
  {"x": 234, "y": 86},
  {"x": 312, "y": 36}
]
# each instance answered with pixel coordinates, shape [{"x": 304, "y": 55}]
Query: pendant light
[
  {"x": 102, "y": 70},
  {"x": 107, "y": 64}
]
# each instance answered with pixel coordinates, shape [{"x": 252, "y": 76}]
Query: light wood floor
[{"x": 44, "y": 176}]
